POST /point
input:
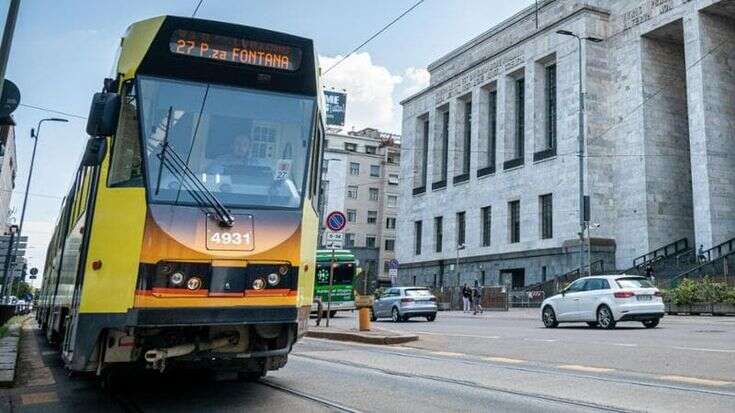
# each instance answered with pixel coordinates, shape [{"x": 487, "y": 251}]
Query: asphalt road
[{"x": 494, "y": 362}]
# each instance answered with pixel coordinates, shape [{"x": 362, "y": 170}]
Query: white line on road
[
  {"x": 455, "y": 335},
  {"x": 543, "y": 340},
  {"x": 622, "y": 344},
  {"x": 504, "y": 360},
  {"x": 713, "y": 350},
  {"x": 695, "y": 380},
  {"x": 585, "y": 368}
]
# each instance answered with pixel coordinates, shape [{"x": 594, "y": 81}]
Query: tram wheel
[{"x": 250, "y": 376}]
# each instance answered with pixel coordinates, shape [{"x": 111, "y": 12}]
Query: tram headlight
[
  {"x": 194, "y": 283},
  {"x": 273, "y": 279},
  {"x": 259, "y": 284},
  {"x": 176, "y": 278}
]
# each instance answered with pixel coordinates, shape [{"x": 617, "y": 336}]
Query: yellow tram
[{"x": 189, "y": 235}]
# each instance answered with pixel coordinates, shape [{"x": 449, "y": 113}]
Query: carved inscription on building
[
  {"x": 647, "y": 10},
  {"x": 478, "y": 76}
]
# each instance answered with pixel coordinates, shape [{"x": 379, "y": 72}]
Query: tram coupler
[{"x": 156, "y": 358}]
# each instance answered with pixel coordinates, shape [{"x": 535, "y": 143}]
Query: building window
[
  {"x": 486, "y": 220},
  {"x": 354, "y": 168},
  {"x": 493, "y": 128},
  {"x": 551, "y": 106},
  {"x": 444, "y": 161},
  {"x": 391, "y": 201},
  {"x": 373, "y": 194},
  {"x": 390, "y": 245},
  {"x": 352, "y": 192},
  {"x": 370, "y": 241},
  {"x": 372, "y": 150},
  {"x": 349, "y": 240},
  {"x": 520, "y": 106},
  {"x": 547, "y": 220},
  {"x": 393, "y": 179},
  {"x": 372, "y": 217},
  {"x": 350, "y": 147},
  {"x": 467, "y": 137},
  {"x": 460, "y": 228},
  {"x": 375, "y": 170},
  {"x": 438, "y": 233},
  {"x": 393, "y": 157},
  {"x": 514, "y": 221},
  {"x": 351, "y": 215},
  {"x": 390, "y": 223},
  {"x": 425, "y": 154},
  {"x": 417, "y": 237}
]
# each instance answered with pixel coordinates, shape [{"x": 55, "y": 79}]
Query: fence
[
  {"x": 526, "y": 298},
  {"x": 493, "y": 298}
]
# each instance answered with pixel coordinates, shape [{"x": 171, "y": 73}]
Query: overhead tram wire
[
  {"x": 71, "y": 115},
  {"x": 378, "y": 33},
  {"x": 196, "y": 9}
]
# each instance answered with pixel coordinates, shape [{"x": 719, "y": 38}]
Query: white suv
[{"x": 605, "y": 300}]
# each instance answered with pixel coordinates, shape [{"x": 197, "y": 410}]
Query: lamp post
[
  {"x": 459, "y": 247},
  {"x": 580, "y": 149},
  {"x": 34, "y": 135},
  {"x": 590, "y": 227}
]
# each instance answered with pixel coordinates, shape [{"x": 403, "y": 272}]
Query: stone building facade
[
  {"x": 491, "y": 146},
  {"x": 360, "y": 177},
  {"x": 8, "y": 169}
]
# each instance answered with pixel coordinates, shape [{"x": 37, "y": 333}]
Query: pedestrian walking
[
  {"x": 649, "y": 271},
  {"x": 477, "y": 298},
  {"x": 466, "y": 296},
  {"x": 700, "y": 253},
  {"x": 319, "y": 309}
]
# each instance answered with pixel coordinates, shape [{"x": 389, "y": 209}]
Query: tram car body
[{"x": 188, "y": 237}]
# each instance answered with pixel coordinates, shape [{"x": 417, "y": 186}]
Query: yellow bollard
[{"x": 364, "y": 318}]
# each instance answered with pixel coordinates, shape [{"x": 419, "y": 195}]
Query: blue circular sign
[
  {"x": 336, "y": 221},
  {"x": 393, "y": 264}
]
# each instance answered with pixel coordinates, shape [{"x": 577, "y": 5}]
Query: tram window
[
  {"x": 254, "y": 157},
  {"x": 125, "y": 169}
]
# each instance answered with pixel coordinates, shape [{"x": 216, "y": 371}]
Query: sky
[{"x": 62, "y": 50}]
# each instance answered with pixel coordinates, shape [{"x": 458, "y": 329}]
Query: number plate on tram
[{"x": 239, "y": 237}]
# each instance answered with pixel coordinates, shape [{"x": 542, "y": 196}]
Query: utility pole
[{"x": 7, "y": 39}]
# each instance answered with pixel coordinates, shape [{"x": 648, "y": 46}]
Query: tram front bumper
[{"x": 155, "y": 317}]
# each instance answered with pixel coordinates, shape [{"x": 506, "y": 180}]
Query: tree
[{"x": 21, "y": 289}]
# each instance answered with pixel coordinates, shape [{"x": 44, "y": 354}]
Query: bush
[{"x": 690, "y": 292}]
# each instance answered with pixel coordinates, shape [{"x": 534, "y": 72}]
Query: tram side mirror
[
  {"x": 95, "y": 151},
  {"x": 103, "y": 114}
]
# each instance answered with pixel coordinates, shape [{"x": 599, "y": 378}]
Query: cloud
[{"x": 373, "y": 92}]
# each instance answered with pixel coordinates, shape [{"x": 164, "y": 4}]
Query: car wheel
[
  {"x": 605, "y": 317},
  {"x": 395, "y": 315},
  {"x": 431, "y": 317},
  {"x": 549, "y": 317},
  {"x": 651, "y": 323},
  {"x": 372, "y": 315},
  {"x": 592, "y": 324}
]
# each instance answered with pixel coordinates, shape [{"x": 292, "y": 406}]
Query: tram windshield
[{"x": 247, "y": 147}]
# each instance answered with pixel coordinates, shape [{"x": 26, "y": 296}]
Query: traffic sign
[
  {"x": 393, "y": 264},
  {"x": 336, "y": 221},
  {"x": 393, "y": 272},
  {"x": 34, "y": 271},
  {"x": 333, "y": 240}
]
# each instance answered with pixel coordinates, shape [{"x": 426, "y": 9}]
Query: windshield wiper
[
  {"x": 177, "y": 166},
  {"x": 164, "y": 145}
]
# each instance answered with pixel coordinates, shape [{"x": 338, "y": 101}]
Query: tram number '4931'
[{"x": 230, "y": 238}]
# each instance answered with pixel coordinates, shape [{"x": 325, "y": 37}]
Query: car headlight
[
  {"x": 259, "y": 284},
  {"x": 273, "y": 279},
  {"x": 176, "y": 278},
  {"x": 283, "y": 269},
  {"x": 194, "y": 283}
]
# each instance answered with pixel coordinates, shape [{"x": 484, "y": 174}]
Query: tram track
[
  {"x": 470, "y": 384},
  {"x": 325, "y": 402}
]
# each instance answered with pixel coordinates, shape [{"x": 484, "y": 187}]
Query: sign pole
[
  {"x": 6, "y": 278},
  {"x": 329, "y": 294}
]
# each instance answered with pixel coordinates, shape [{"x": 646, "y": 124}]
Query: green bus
[{"x": 345, "y": 270}]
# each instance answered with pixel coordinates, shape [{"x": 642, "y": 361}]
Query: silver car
[{"x": 402, "y": 303}]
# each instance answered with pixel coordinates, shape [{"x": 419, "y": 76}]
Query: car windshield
[
  {"x": 633, "y": 283},
  {"x": 418, "y": 293},
  {"x": 247, "y": 147}
]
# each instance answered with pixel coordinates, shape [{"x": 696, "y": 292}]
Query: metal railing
[{"x": 668, "y": 249}]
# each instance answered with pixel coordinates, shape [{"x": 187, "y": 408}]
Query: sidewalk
[{"x": 375, "y": 336}]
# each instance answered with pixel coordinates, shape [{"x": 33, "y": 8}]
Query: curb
[
  {"x": 362, "y": 337},
  {"x": 9, "y": 355}
]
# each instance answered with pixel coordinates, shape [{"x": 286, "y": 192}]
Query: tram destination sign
[{"x": 235, "y": 50}]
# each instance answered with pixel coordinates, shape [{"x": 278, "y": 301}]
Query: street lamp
[
  {"x": 580, "y": 149},
  {"x": 590, "y": 227},
  {"x": 34, "y": 135},
  {"x": 459, "y": 247}
]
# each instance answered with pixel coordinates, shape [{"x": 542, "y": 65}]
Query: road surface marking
[
  {"x": 713, "y": 350},
  {"x": 544, "y": 340},
  {"x": 448, "y": 353},
  {"x": 39, "y": 398},
  {"x": 585, "y": 368},
  {"x": 695, "y": 380},
  {"x": 504, "y": 360},
  {"x": 455, "y": 335},
  {"x": 623, "y": 344}
]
